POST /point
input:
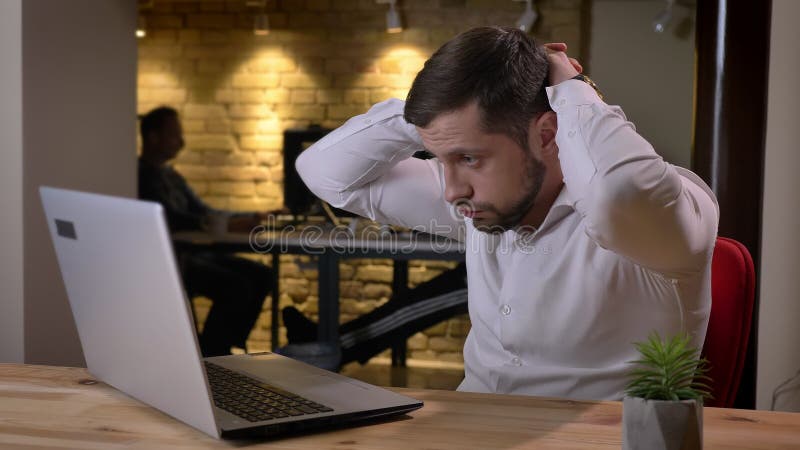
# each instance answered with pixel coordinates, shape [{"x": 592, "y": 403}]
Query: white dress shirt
[{"x": 625, "y": 250}]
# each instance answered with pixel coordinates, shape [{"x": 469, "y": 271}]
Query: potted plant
[{"x": 663, "y": 404}]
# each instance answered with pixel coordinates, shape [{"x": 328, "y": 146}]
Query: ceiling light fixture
[
  {"x": 141, "y": 27},
  {"x": 393, "y": 22},
  {"x": 528, "y": 17},
  {"x": 663, "y": 18},
  {"x": 261, "y": 24},
  {"x": 260, "y": 18},
  {"x": 141, "y": 22}
]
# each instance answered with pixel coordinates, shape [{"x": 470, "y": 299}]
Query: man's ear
[{"x": 542, "y": 135}]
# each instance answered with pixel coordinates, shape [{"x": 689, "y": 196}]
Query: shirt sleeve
[
  {"x": 633, "y": 202},
  {"x": 365, "y": 167}
]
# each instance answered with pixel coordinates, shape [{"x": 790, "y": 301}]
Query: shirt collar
[
  {"x": 562, "y": 206},
  {"x": 563, "y": 199}
]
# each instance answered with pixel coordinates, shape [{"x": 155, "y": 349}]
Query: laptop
[{"x": 138, "y": 335}]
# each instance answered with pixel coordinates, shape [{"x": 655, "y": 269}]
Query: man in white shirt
[{"x": 580, "y": 239}]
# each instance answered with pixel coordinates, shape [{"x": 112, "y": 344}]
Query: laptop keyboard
[{"x": 255, "y": 400}]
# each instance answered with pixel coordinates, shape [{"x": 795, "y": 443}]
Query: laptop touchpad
[{"x": 332, "y": 389}]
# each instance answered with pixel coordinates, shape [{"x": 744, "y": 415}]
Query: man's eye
[{"x": 469, "y": 160}]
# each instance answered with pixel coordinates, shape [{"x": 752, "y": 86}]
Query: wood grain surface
[{"x": 59, "y": 407}]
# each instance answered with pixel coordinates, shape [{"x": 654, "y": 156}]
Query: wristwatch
[{"x": 588, "y": 81}]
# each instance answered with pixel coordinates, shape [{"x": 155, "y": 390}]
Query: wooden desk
[
  {"x": 329, "y": 247},
  {"x": 50, "y": 407}
]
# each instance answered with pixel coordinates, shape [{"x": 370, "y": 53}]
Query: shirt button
[
  {"x": 367, "y": 120},
  {"x": 561, "y": 102},
  {"x": 505, "y": 310},
  {"x": 516, "y": 361},
  {"x": 571, "y": 133}
]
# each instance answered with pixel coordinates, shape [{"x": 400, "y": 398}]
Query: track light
[
  {"x": 141, "y": 27},
  {"x": 393, "y": 23},
  {"x": 663, "y": 18},
  {"x": 260, "y": 18},
  {"x": 528, "y": 17},
  {"x": 141, "y": 22},
  {"x": 261, "y": 24}
]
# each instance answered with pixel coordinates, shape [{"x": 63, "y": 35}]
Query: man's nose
[{"x": 456, "y": 188}]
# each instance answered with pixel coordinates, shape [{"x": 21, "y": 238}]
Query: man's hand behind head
[{"x": 562, "y": 67}]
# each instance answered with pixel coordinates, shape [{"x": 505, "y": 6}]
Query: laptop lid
[
  {"x": 131, "y": 312},
  {"x": 137, "y": 332}
]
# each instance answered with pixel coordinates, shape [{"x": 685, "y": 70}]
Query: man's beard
[{"x": 533, "y": 178}]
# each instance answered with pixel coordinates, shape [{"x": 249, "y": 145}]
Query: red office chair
[{"x": 732, "y": 294}]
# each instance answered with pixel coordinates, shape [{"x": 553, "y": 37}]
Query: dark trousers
[
  {"x": 438, "y": 299},
  {"x": 236, "y": 286}
]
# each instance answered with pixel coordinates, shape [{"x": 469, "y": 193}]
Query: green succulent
[{"x": 669, "y": 369}]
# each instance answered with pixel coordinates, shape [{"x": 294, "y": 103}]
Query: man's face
[
  {"x": 168, "y": 141},
  {"x": 488, "y": 177}
]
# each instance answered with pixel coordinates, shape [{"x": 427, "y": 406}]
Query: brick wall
[{"x": 323, "y": 62}]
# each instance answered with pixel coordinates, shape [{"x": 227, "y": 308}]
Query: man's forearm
[
  {"x": 633, "y": 201},
  {"x": 358, "y": 153},
  {"x": 365, "y": 167}
]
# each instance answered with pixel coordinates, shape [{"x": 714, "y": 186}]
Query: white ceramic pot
[{"x": 661, "y": 425}]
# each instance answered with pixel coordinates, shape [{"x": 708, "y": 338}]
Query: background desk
[
  {"x": 329, "y": 247},
  {"x": 46, "y": 407}
]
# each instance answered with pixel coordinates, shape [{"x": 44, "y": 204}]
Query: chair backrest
[{"x": 732, "y": 296}]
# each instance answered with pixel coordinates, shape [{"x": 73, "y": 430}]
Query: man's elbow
[
  {"x": 312, "y": 172},
  {"x": 304, "y": 165}
]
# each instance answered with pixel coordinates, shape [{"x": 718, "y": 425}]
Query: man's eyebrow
[{"x": 426, "y": 154}]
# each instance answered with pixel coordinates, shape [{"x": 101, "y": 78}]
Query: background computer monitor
[{"x": 297, "y": 198}]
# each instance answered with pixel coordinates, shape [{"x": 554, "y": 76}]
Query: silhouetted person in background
[{"x": 236, "y": 286}]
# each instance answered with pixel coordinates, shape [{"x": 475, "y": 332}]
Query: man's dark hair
[
  {"x": 501, "y": 68},
  {"x": 155, "y": 119}
]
